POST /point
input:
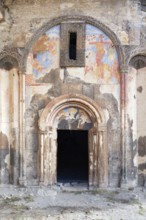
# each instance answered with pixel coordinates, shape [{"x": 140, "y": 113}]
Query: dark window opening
[
  {"x": 73, "y": 46},
  {"x": 72, "y": 156}
]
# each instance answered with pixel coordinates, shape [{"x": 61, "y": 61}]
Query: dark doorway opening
[{"x": 72, "y": 156}]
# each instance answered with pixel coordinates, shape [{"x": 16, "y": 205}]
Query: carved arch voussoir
[
  {"x": 86, "y": 19},
  {"x": 10, "y": 58},
  {"x": 140, "y": 51},
  {"x": 89, "y": 106},
  {"x": 138, "y": 62},
  {"x": 97, "y": 149}
]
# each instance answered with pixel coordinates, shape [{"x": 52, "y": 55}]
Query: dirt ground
[{"x": 72, "y": 203}]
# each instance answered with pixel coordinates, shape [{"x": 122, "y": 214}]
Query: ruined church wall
[
  {"x": 19, "y": 24},
  {"x": 98, "y": 80},
  {"x": 21, "y": 19}
]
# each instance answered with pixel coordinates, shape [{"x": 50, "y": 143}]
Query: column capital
[{"x": 124, "y": 69}]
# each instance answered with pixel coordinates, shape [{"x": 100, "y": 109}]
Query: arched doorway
[
  {"x": 73, "y": 113},
  {"x": 72, "y": 156},
  {"x": 72, "y": 145}
]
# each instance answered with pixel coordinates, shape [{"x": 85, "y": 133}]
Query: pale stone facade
[{"x": 101, "y": 89}]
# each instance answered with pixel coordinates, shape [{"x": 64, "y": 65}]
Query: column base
[{"x": 22, "y": 181}]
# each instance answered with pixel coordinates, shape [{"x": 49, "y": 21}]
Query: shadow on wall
[
  {"x": 142, "y": 164},
  {"x": 8, "y": 161}
]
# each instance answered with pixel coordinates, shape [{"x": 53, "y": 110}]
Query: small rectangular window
[{"x": 72, "y": 45}]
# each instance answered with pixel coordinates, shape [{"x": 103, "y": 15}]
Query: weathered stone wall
[
  {"x": 17, "y": 26},
  {"x": 9, "y": 126},
  {"x": 141, "y": 125},
  {"x": 99, "y": 80},
  {"x": 106, "y": 79}
]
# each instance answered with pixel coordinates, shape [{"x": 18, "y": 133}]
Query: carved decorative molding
[
  {"x": 11, "y": 57},
  {"x": 8, "y": 63},
  {"x": 66, "y": 101},
  {"x": 138, "y": 62},
  {"x": 48, "y": 124},
  {"x": 139, "y": 50}
]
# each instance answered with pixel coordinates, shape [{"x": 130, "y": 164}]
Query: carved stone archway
[{"x": 49, "y": 123}]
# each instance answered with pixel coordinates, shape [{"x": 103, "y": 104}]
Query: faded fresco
[
  {"x": 43, "y": 63},
  {"x": 73, "y": 118},
  {"x": 42, "y": 60},
  {"x": 44, "y": 56},
  {"x": 101, "y": 58}
]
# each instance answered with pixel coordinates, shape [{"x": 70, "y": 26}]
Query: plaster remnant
[
  {"x": 52, "y": 77},
  {"x": 4, "y": 152},
  {"x": 72, "y": 75},
  {"x": 4, "y": 144},
  {"x": 65, "y": 6}
]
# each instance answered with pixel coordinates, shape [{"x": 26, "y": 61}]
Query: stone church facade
[{"x": 69, "y": 71}]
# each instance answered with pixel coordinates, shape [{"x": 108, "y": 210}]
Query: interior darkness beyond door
[{"x": 72, "y": 156}]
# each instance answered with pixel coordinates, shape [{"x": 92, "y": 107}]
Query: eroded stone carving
[
  {"x": 138, "y": 61},
  {"x": 84, "y": 111},
  {"x": 11, "y": 57}
]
